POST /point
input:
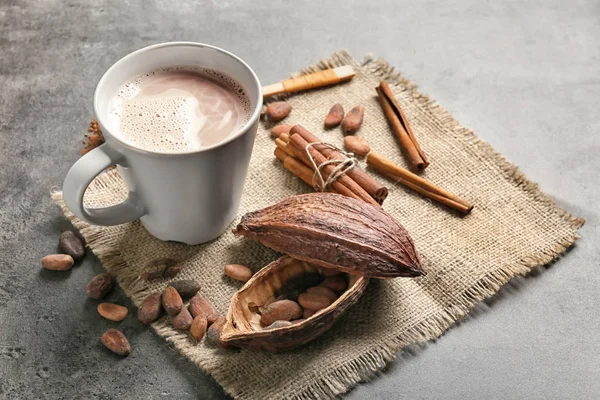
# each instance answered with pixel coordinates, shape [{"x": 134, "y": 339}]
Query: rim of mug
[{"x": 244, "y": 128}]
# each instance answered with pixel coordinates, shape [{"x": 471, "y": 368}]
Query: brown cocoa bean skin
[
  {"x": 201, "y": 305},
  {"x": 279, "y": 324},
  {"x": 337, "y": 283},
  {"x": 151, "y": 308},
  {"x": 238, "y": 272},
  {"x": 213, "y": 334},
  {"x": 313, "y": 301},
  {"x": 72, "y": 244},
  {"x": 58, "y": 262},
  {"x": 301, "y": 283},
  {"x": 113, "y": 312},
  {"x": 357, "y": 145},
  {"x": 199, "y": 326},
  {"x": 186, "y": 288},
  {"x": 323, "y": 291},
  {"x": 171, "y": 301},
  {"x": 278, "y": 110},
  {"x": 161, "y": 268},
  {"x": 100, "y": 286},
  {"x": 115, "y": 341},
  {"x": 285, "y": 310},
  {"x": 335, "y": 116},
  {"x": 183, "y": 320},
  {"x": 308, "y": 313},
  {"x": 276, "y": 131},
  {"x": 353, "y": 120}
]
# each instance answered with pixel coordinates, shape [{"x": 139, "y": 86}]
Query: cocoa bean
[
  {"x": 335, "y": 116},
  {"x": 336, "y": 283},
  {"x": 279, "y": 324},
  {"x": 330, "y": 271},
  {"x": 289, "y": 295},
  {"x": 213, "y": 334},
  {"x": 151, "y": 308},
  {"x": 323, "y": 291},
  {"x": 115, "y": 341},
  {"x": 171, "y": 301},
  {"x": 278, "y": 110},
  {"x": 183, "y": 320},
  {"x": 113, "y": 312},
  {"x": 201, "y": 305},
  {"x": 357, "y": 145},
  {"x": 238, "y": 272},
  {"x": 353, "y": 120},
  {"x": 100, "y": 285},
  {"x": 186, "y": 288},
  {"x": 285, "y": 310},
  {"x": 198, "y": 328},
  {"x": 301, "y": 283},
  {"x": 161, "y": 268},
  {"x": 313, "y": 301},
  {"x": 297, "y": 321},
  {"x": 72, "y": 244},
  {"x": 276, "y": 131},
  {"x": 58, "y": 262},
  {"x": 308, "y": 313}
]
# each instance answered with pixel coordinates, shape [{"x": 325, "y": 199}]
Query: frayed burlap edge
[{"x": 347, "y": 375}]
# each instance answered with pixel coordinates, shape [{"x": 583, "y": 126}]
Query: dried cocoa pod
[
  {"x": 278, "y": 110},
  {"x": 285, "y": 310},
  {"x": 161, "y": 268},
  {"x": 353, "y": 120},
  {"x": 115, "y": 341},
  {"x": 171, "y": 301},
  {"x": 186, "y": 287},
  {"x": 238, "y": 272},
  {"x": 336, "y": 283},
  {"x": 335, "y": 231},
  {"x": 335, "y": 116},
  {"x": 323, "y": 291},
  {"x": 279, "y": 324},
  {"x": 201, "y": 305},
  {"x": 199, "y": 326},
  {"x": 183, "y": 320},
  {"x": 100, "y": 285},
  {"x": 277, "y": 130},
  {"x": 72, "y": 244},
  {"x": 300, "y": 284},
  {"x": 357, "y": 145},
  {"x": 113, "y": 312},
  {"x": 313, "y": 301},
  {"x": 58, "y": 262},
  {"x": 151, "y": 308},
  {"x": 213, "y": 334}
]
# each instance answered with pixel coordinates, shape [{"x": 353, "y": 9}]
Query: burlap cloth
[{"x": 513, "y": 228}]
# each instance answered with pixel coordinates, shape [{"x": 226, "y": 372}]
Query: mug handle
[{"x": 81, "y": 175}]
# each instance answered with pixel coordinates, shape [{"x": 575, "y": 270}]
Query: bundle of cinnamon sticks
[{"x": 300, "y": 156}]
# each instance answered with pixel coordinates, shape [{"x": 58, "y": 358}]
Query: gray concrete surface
[{"x": 523, "y": 74}]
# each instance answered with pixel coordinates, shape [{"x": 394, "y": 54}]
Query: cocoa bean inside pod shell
[{"x": 247, "y": 329}]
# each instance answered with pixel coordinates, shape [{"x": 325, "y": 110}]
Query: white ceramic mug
[{"x": 188, "y": 197}]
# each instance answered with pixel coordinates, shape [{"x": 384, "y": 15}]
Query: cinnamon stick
[
  {"x": 400, "y": 126},
  {"x": 303, "y": 172},
  {"x": 298, "y": 146},
  {"x": 416, "y": 183},
  {"x": 378, "y": 191}
]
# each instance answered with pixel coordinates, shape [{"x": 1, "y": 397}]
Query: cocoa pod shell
[
  {"x": 151, "y": 308},
  {"x": 100, "y": 286},
  {"x": 115, "y": 341},
  {"x": 72, "y": 244},
  {"x": 335, "y": 231},
  {"x": 185, "y": 287},
  {"x": 243, "y": 329}
]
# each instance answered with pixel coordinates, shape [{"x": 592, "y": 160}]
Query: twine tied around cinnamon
[{"x": 341, "y": 166}]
